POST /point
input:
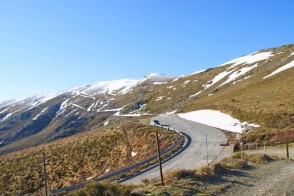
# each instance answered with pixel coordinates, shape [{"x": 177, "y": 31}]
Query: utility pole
[
  {"x": 45, "y": 175},
  {"x": 159, "y": 159}
]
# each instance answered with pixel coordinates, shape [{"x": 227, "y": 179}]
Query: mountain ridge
[{"x": 244, "y": 87}]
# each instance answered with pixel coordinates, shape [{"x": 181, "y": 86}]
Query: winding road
[{"x": 194, "y": 156}]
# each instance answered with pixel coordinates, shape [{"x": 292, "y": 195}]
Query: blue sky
[{"x": 51, "y": 46}]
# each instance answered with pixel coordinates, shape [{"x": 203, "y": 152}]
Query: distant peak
[
  {"x": 152, "y": 75},
  {"x": 155, "y": 77}
]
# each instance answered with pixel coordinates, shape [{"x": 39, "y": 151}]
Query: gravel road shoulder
[{"x": 275, "y": 178}]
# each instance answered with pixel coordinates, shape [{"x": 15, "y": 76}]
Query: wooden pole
[
  {"x": 206, "y": 149},
  {"x": 249, "y": 152},
  {"x": 287, "y": 148},
  {"x": 241, "y": 146},
  {"x": 159, "y": 159},
  {"x": 45, "y": 175},
  {"x": 256, "y": 147},
  {"x": 231, "y": 153}
]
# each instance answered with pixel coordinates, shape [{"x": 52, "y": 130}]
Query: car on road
[{"x": 155, "y": 122}]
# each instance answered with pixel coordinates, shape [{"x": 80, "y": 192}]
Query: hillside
[
  {"x": 77, "y": 158},
  {"x": 257, "y": 88}
]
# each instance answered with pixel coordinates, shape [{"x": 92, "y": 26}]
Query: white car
[{"x": 155, "y": 122}]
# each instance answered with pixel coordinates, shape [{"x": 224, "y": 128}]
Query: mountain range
[{"x": 257, "y": 87}]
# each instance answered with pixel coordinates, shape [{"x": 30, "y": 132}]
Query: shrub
[
  {"x": 102, "y": 188},
  {"x": 256, "y": 157}
]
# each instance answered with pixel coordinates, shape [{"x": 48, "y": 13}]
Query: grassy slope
[
  {"x": 268, "y": 102},
  {"x": 76, "y": 158}
]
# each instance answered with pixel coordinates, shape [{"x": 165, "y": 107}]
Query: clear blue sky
[{"x": 54, "y": 45}]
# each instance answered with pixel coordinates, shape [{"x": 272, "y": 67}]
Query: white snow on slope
[
  {"x": 91, "y": 106},
  {"x": 184, "y": 76},
  {"x": 238, "y": 73},
  {"x": 42, "y": 98},
  {"x": 158, "y": 83},
  {"x": 194, "y": 95},
  {"x": 186, "y": 82},
  {"x": 111, "y": 87},
  {"x": 36, "y": 117},
  {"x": 249, "y": 59},
  {"x": 4, "y": 110},
  {"x": 106, "y": 123},
  {"x": 78, "y": 106},
  {"x": 159, "y": 98},
  {"x": 217, "y": 119},
  {"x": 217, "y": 78},
  {"x": 6, "y": 117},
  {"x": 133, "y": 153},
  {"x": 155, "y": 77},
  {"x": 287, "y": 66}
]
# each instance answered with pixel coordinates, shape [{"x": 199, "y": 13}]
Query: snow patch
[
  {"x": 159, "y": 98},
  {"x": 249, "y": 59},
  {"x": 106, "y": 123},
  {"x": 287, "y": 66},
  {"x": 238, "y": 73},
  {"x": 172, "y": 112},
  {"x": 133, "y": 153},
  {"x": 91, "y": 106},
  {"x": 111, "y": 87},
  {"x": 36, "y": 117},
  {"x": 194, "y": 95},
  {"x": 155, "y": 77},
  {"x": 4, "y": 110},
  {"x": 217, "y": 119},
  {"x": 158, "y": 83},
  {"x": 78, "y": 106},
  {"x": 7, "y": 116},
  {"x": 184, "y": 76},
  {"x": 216, "y": 79},
  {"x": 113, "y": 110},
  {"x": 186, "y": 82}
]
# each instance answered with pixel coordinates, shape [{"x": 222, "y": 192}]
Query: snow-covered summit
[
  {"x": 31, "y": 101},
  {"x": 155, "y": 77},
  {"x": 113, "y": 87}
]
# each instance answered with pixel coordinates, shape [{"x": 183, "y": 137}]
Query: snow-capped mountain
[{"x": 257, "y": 86}]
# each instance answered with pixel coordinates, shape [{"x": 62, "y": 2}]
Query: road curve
[{"x": 194, "y": 155}]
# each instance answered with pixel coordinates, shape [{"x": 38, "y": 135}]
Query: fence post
[
  {"x": 45, "y": 175},
  {"x": 241, "y": 146},
  {"x": 287, "y": 148},
  {"x": 263, "y": 148},
  {"x": 206, "y": 150},
  {"x": 231, "y": 153},
  {"x": 248, "y": 152},
  {"x": 256, "y": 147},
  {"x": 159, "y": 159}
]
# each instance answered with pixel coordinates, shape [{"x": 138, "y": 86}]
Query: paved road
[{"x": 194, "y": 156}]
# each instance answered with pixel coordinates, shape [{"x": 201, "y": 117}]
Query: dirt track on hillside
[{"x": 275, "y": 178}]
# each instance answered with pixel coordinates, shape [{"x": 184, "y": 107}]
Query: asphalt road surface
[{"x": 194, "y": 156}]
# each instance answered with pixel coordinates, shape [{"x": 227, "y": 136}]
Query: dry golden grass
[{"x": 74, "y": 159}]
